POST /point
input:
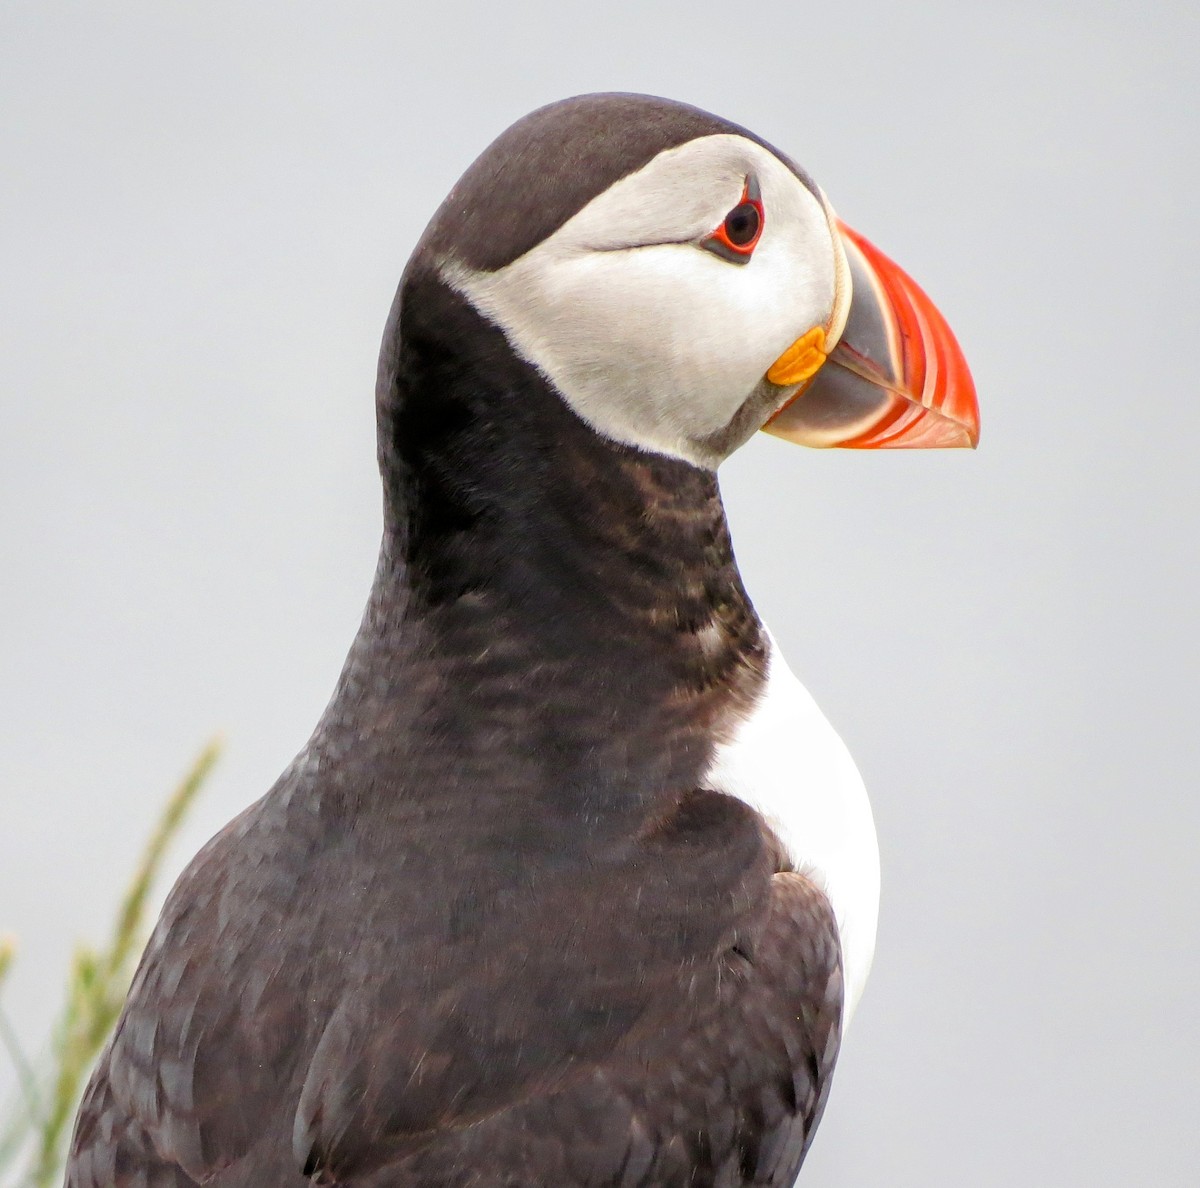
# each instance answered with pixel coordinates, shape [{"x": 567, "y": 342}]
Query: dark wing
[
  {"x": 666, "y": 1013},
  {"x": 190, "y": 1082}
]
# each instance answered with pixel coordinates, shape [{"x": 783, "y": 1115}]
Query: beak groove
[{"x": 897, "y": 379}]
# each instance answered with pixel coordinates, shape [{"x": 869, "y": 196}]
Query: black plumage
[{"x": 489, "y": 928}]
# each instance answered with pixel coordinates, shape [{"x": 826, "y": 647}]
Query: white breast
[{"x": 787, "y": 762}]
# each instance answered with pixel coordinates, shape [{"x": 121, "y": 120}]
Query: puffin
[{"x": 573, "y": 883}]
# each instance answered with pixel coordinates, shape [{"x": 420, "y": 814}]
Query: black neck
[{"x": 543, "y": 591}]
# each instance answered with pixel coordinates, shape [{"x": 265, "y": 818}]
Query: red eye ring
[{"x": 736, "y": 238}]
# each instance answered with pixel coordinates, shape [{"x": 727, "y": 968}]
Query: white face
[{"x": 653, "y": 339}]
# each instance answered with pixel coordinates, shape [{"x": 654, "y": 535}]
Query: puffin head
[{"x": 682, "y": 284}]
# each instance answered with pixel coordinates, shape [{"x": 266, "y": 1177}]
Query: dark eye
[
  {"x": 742, "y": 224},
  {"x": 736, "y": 237}
]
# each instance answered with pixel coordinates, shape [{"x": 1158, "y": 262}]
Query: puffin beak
[{"x": 896, "y": 379}]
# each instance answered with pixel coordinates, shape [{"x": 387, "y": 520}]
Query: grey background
[{"x": 205, "y": 211}]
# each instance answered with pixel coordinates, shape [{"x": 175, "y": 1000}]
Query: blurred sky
[{"x": 205, "y": 212}]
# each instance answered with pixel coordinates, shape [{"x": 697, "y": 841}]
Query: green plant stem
[
  {"x": 26, "y": 1078},
  {"x": 96, "y": 993}
]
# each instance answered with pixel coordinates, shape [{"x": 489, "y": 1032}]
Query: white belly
[{"x": 787, "y": 762}]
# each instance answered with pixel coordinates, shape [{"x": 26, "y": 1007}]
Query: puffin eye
[
  {"x": 736, "y": 238},
  {"x": 742, "y": 225}
]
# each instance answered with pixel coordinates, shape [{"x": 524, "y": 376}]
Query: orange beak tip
[{"x": 934, "y": 380}]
